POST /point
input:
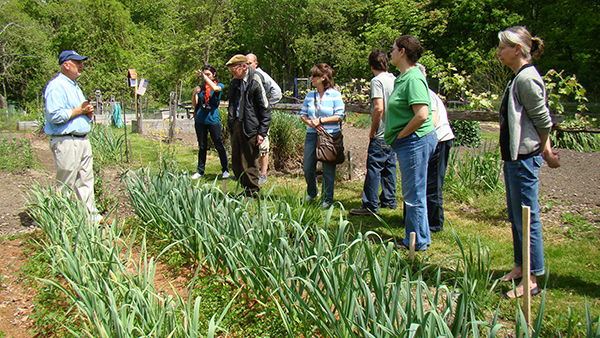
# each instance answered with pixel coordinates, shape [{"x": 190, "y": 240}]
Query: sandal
[{"x": 533, "y": 292}]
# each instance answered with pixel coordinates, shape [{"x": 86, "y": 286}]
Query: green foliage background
[{"x": 166, "y": 40}]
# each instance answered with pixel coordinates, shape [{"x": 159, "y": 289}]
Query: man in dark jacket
[{"x": 248, "y": 118}]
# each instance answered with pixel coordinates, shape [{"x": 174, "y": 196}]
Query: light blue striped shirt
[
  {"x": 61, "y": 96},
  {"x": 330, "y": 105}
]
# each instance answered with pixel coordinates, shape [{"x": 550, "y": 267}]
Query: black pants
[
  {"x": 436, "y": 172},
  {"x": 244, "y": 157},
  {"x": 215, "y": 130}
]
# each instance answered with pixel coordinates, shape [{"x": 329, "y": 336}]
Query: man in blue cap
[{"x": 68, "y": 115}]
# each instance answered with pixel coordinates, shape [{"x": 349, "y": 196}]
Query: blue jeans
[
  {"x": 413, "y": 155},
  {"x": 436, "y": 172},
  {"x": 202, "y": 131},
  {"x": 521, "y": 180},
  {"x": 310, "y": 169},
  {"x": 381, "y": 168}
]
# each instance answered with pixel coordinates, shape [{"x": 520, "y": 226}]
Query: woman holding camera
[{"x": 206, "y": 101}]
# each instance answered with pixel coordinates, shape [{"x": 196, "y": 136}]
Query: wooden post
[
  {"x": 132, "y": 77},
  {"x": 350, "y": 165},
  {"x": 172, "y": 115},
  {"x": 127, "y": 146},
  {"x": 98, "y": 99},
  {"x": 526, "y": 235},
  {"x": 413, "y": 239}
]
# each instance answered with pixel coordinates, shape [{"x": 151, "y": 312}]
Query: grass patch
[
  {"x": 362, "y": 121},
  {"x": 16, "y": 155}
]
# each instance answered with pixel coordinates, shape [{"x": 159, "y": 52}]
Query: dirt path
[
  {"x": 575, "y": 188},
  {"x": 16, "y": 300}
]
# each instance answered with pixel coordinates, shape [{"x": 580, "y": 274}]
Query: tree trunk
[{"x": 3, "y": 104}]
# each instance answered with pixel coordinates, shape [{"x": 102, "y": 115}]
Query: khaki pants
[{"x": 74, "y": 167}]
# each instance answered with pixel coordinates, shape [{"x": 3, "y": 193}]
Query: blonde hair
[{"x": 530, "y": 46}]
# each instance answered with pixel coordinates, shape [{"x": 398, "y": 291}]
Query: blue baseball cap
[{"x": 67, "y": 55}]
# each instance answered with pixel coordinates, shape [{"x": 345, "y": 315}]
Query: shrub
[
  {"x": 468, "y": 133},
  {"x": 287, "y": 139}
]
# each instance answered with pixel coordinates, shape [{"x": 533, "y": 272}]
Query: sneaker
[
  {"x": 196, "y": 176},
  {"x": 225, "y": 175},
  {"x": 309, "y": 198},
  {"x": 326, "y": 205},
  {"x": 262, "y": 179},
  {"x": 362, "y": 211}
]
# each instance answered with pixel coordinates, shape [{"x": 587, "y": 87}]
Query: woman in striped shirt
[{"x": 322, "y": 111}]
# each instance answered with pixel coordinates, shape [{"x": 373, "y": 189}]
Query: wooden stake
[
  {"x": 350, "y": 165},
  {"x": 526, "y": 211},
  {"x": 413, "y": 239}
]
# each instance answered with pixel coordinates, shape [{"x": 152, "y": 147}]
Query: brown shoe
[{"x": 362, "y": 211}]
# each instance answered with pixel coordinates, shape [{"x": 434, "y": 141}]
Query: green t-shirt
[{"x": 410, "y": 88}]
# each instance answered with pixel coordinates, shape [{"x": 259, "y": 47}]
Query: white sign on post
[
  {"x": 142, "y": 87},
  {"x": 132, "y": 82}
]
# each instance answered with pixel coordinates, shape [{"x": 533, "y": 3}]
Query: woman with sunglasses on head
[
  {"x": 524, "y": 143},
  {"x": 410, "y": 131},
  {"x": 206, "y": 101},
  {"x": 322, "y": 111}
]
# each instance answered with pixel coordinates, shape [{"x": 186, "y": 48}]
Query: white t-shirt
[
  {"x": 443, "y": 130},
  {"x": 382, "y": 86}
]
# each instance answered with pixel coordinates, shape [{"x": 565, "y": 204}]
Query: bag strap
[{"x": 317, "y": 108}]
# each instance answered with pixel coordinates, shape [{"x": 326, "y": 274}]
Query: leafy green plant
[
  {"x": 562, "y": 88},
  {"x": 344, "y": 285},
  {"x": 111, "y": 284},
  {"x": 453, "y": 84},
  {"x": 579, "y": 141},
  {"x": 356, "y": 91},
  {"x": 286, "y": 137},
  {"x": 108, "y": 147},
  {"x": 473, "y": 171},
  {"x": 467, "y": 133},
  {"x": 16, "y": 155}
]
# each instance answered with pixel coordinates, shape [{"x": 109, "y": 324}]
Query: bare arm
[
  {"x": 211, "y": 83},
  {"x": 421, "y": 112},
  {"x": 551, "y": 157},
  {"x": 378, "y": 110}
]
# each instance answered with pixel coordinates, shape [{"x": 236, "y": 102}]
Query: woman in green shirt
[{"x": 410, "y": 131}]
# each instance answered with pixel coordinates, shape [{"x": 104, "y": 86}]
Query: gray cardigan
[{"x": 528, "y": 114}]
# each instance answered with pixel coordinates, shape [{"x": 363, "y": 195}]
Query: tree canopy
[{"x": 165, "y": 41}]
